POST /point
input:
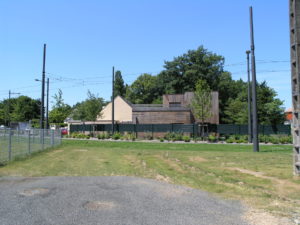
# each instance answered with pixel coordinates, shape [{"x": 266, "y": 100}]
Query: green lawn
[{"x": 263, "y": 180}]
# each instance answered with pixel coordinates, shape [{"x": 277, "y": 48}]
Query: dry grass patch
[
  {"x": 80, "y": 150},
  {"x": 197, "y": 159},
  {"x": 255, "y": 217},
  {"x": 163, "y": 178}
]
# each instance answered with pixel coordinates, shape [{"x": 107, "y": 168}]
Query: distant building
[
  {"x": 288, "y": 116},
  {"x": 174, "y": 110}
]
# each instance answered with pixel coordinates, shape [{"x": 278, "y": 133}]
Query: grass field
[{"x": 262, "y": 180}]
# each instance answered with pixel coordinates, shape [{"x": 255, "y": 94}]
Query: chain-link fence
[{"x": 18, "y": 143}]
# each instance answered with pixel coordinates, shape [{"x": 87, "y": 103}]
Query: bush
[
  {"x": 116, "y": 136},
  {"x": 186, "y": 138},
  {"x": 238, "y": 141},
  {"x": 222, "y": 138},
  {"x": 161, "y": 139},
  {"x": 169, "y": 136},
  {"x": 126, "y": 137},
  {"x": 80, "y": 136},
  {"x": 132, "y": 137},
  {"x": 107, "y": 135},
  {"x": 173, "y": 136},
  {"x": 212, "y": 138},
  {"x": 263, "y": 138},
  {"x": 230, "y": 139},
  {"x": 243, "y": 139},
  {"x": 284, "y": 139},
  {"x": 101, "y": 136},
  {"x": 149, "y": 137},
  {"x": 178, "y": 137}
]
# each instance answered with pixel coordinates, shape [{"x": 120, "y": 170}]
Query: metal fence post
[
  {"x": 152, "y": 131},
  {"x": 136, "y": 131},
  {"x": 52, "y": 138},
  {"x": 43, "y": 139},
  {"x": 29, "y": 150},
  {"x": 60, "y": 136},
  {"x": 18, "y": 135},
  {"x": 193, "y": 131},
  {"x": 9, "y": 145}
]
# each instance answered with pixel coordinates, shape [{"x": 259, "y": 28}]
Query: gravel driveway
[{"x": 110, "y": 200}]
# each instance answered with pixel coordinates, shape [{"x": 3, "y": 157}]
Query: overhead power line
[{"x": 91, "y": 80}]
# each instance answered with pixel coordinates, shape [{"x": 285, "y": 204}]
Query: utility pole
[
  {"x": 47, "y": 112},
  {"x": 254, "y": 104},
  {"x": 294, "y": 16},
  {"x": 249, "y": 100},
  {"x": 113, "y": 101},
  {"x": 9, "y": 97},
  {"x": 43, "y": 90}
]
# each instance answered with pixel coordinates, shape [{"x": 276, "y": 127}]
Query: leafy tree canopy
[
  {"x": 182, "y": 74},
  {"x": 60, "y": 110},
  {"x": 89, "y": 109},
  {"x": 120, "y": 88},
  {"x": 269, "y": 107},
  {"x": 143, "y": 90},
  {"x": 201, "y": 102},
  {"x": 22, "y": 109}
]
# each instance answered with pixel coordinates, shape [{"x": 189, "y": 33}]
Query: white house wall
[{"x": 123, "y": 111}]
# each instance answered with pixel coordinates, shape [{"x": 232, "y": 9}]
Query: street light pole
[
  {"x": 113, "y": 101},
  {"x": 249, "y": 100},
  {"x": 47, "y": 103},
  {"x": 254, "y": 104},
  {"x": 43, "y": 90},
  {"x": 47, "y": 112}
]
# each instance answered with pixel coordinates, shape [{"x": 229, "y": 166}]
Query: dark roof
[
  {"x": 154, "y": 107},
  {"x": 125, "y": 100},
  {"x": 137, "y": 108}
]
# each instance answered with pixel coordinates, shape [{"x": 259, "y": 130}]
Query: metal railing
[{"x": 19, "y": 143}]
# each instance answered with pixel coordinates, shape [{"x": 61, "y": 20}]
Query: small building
[
  {"x": 174, "y": 110},
  {"x": 288, "y": 116}
]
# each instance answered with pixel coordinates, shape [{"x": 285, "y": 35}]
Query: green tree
[
  {"x": 60, "y": 110},
  {"x": 93, "y": 106},
  {"x": 89, "y": 109},
  {"x": 119, "y": 85},
  {"x": 24, "y": 109},
  {"x": 143, "y": 90},
  {"x": 269, "y": 108},
  {"x": 201, "y": 103},
  {"x": 21, "y": 109},
  {"x": 182, "y": 73}
]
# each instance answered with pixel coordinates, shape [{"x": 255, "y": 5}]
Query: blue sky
[{"x": 86, "y": 38}]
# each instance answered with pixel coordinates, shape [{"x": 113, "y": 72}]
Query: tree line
[
  {"x": 25, "y": 109},
  {"x": 178, "y": 76},
  {"x": 185, "y": 71}
]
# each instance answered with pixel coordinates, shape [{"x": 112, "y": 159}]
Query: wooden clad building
[{"x": 174, "y": 110}]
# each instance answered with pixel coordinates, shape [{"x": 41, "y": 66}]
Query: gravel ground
[{"x": 110, "y": 200}]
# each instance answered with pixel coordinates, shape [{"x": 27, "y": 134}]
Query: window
[{"x": 175, "y": 104}]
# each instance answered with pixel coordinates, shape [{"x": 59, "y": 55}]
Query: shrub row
[
  {"x": 116, "y": 136},
  {"x": 78, "y": 135},
  {"x": 274, "y": 139}
]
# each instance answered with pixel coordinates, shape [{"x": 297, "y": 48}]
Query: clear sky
[{"x": 85, "y": 38}]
